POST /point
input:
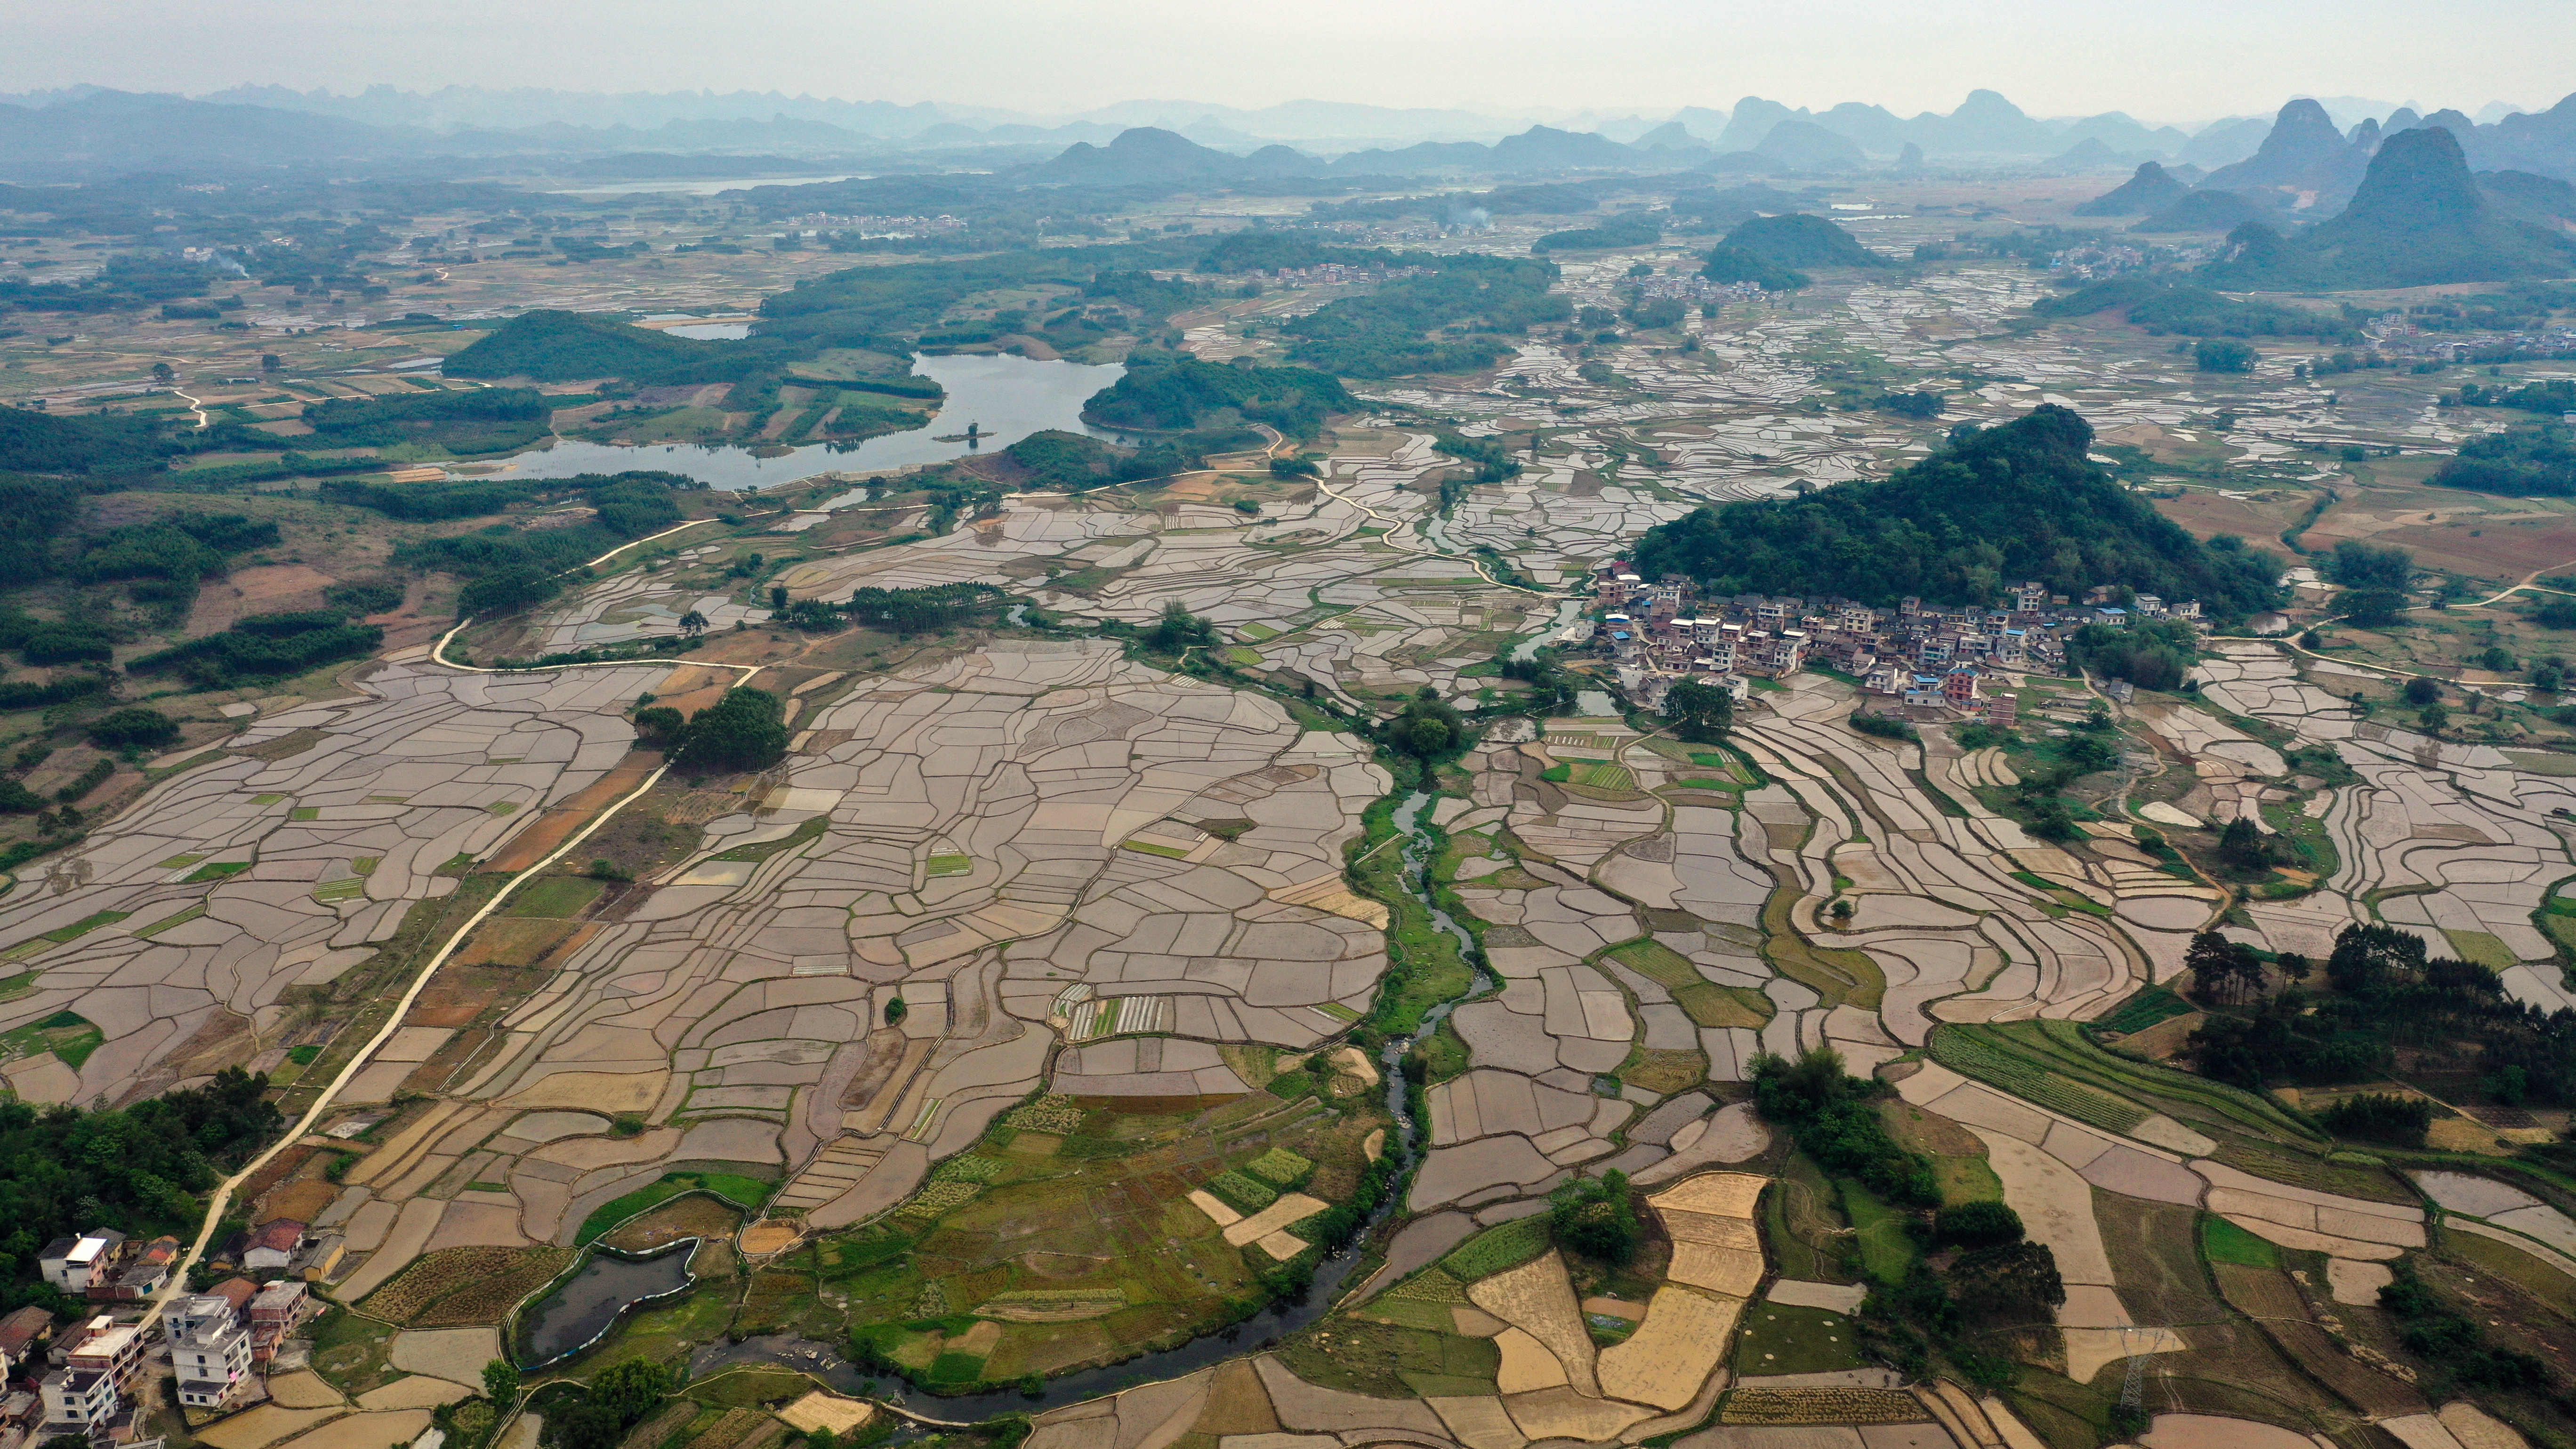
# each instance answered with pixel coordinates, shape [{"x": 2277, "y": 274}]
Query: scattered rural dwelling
[
  {"x": 22, "y": 1337},
  {"x": 77, "y": 1401},
  {"x": 274, "y": 1315},
  {"x": 72, "y": 1264},
  {"x": 272, "y": 1246},
  {"x": 321, "y": 1257},
  {"x": 103, "y": 1344},
  {"x": 210, "y": 1353}
]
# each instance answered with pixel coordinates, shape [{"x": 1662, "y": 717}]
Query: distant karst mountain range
[
  {"x": 2306, "y": 170},
  {"x": 84, "y": 132}
]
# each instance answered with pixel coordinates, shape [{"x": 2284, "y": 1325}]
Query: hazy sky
[{"x": 2179, "y": 60}]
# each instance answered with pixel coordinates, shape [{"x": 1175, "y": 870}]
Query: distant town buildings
[{"x": 1330, "y": 274}]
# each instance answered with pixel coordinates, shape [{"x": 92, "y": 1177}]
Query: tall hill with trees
[
  {"x": 1800, "y": 240},
  {"x": 1174, "y": 392},
  {"x": 1995, "y": 505},
  {"x": 2419, "y": 219}
]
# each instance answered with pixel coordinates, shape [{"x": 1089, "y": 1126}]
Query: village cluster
[
  {"x": 92, "y": 1379},
  {"x": 1924, "y": 656}
]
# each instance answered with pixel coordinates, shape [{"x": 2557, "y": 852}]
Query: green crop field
[
  {"x": 557, "y": 897},
  {"x": 1505, "y": 1245},
  {"x": 1970, "y": 1052},
  {"x": 2223, "y": 1242},
  {"x": 1780, "y": 1339}
]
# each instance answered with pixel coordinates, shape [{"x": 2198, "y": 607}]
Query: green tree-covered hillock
[
  {"x": 1730, "y": 263},
  {"x": 1388, "y": 333},
  {"x": 2164, "y": 304},
  {"x": 2526, "y": 462},
  {"x": 549, "y": 345},
  {"x": 1174, "y": 391},
  {"x": 1802, "y": 239},
  {"x": 477, "y": 420},
  {"x": 1994, "y": 505},
  {"x": 1627, "y": 229},
  {"x": 744, "y": 730},
  {"x": 138, "y": 1169}
]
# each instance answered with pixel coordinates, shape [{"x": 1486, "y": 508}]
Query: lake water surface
[
  {"x": 1007, "y": 397},
  {"x": 582, "y": 1310}
]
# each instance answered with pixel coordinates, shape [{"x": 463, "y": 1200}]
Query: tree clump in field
[
  {"x": 1701, "y": 713},
  {"x": 618, "y": 1399},
  {"x": 2379, "y": 1117},
  {"x": 2388, "y": 992},
  {"x": 136, "y": 727},
  {"x": 2373, "y": 580},
  {"x": 2537, "y": 462},
  {"x": 2151, "y": 654},
  {"x": 1429, "y": 729},
  {"x": 1178, "y": 392},
  {"x": 744, "y": 730},
  {"x": 1593, "y": 1216},
  {"x": 1829, "y": 1114}
]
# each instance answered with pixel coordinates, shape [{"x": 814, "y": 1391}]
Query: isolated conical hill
[
  {"x": 1802, "y": 240},
  {"x": 2304, "y": 154},
  {"x": 2147, "y": 192}
]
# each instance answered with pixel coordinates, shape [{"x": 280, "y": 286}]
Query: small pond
[
  {"x": 588, "y": 1304},
  {"x": 1006, "y": 397}
]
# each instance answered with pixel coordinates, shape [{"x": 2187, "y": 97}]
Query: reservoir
[
  {"x": 581, "y": 1311},
  {"x": 1008, "y": 397}
]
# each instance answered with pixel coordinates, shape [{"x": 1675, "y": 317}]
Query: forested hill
[{"x": 1997, "y": 505}]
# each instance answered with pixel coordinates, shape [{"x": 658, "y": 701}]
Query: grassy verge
[
  {"x": 1886, "y": 1249},
  {"x": 747, "y": 1193},
  {"x": 2057, "y": 1054},
  {"x": 1837, "y": 976}
]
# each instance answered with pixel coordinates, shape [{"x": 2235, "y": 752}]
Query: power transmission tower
[{"x": 2133, "y": 1392}]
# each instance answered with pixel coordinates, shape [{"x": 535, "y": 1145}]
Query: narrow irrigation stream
[{"x": 825, "y": 1362}]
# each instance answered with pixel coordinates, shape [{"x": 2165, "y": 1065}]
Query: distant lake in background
[{"x": 1007, "y": 397}]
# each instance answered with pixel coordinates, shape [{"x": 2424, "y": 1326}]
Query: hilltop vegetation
[
  {"x": 137, "y": 1169},
  {"x": 555, "y": 346},
  {"x": 1803, "y": 240},
  {"x": 1073, "y": 463},
  {"x": 1271, "y": 251},
  {"x": 1728, "y": 263},
  {"x": 506, "y": 569},
  {"x": 1628, "y": 229},
  {"x": 477, "y": 420},
  {"x": 34, "y": 442},
  {"x": 1175, "y": 391},
  {"x": 161, "y": 560},
  {"x": 2164, "y": 304},
  {"x": 2526, "y": 462},
  {"x": 1388, "y": 333},
  {"x": 2020, "y": 501}
]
